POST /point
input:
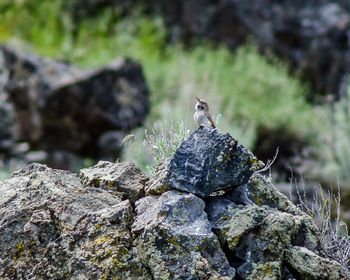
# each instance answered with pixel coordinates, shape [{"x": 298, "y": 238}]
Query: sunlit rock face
[{"x": 112, "y": 222}]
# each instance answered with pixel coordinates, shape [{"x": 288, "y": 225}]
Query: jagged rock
[
  {"x": 174, "y": 238},
  {"x": 316, "y": 268},
  {"x": 266, "y": 271},
  {"x": 210, "y": 161},
  {"x": 159, "y": 184},
  {"x": 60, "y": 107},
  {"x": 263, "y": 192},
  {"x": 53, "y": 227},
  {"x": 124, "y": 180},
  {"x": 256, "y": 236}
]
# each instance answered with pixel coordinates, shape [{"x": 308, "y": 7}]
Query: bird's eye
[{"x": 200, "y": 107}]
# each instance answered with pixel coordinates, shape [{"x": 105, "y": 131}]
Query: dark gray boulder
[
  {"x": 210, "y": 161},
  {"x": 7, "y": 141},
  {"x": 58, "y": 107}
]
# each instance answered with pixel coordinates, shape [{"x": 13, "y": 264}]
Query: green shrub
[{"x": 334, "y": 165}]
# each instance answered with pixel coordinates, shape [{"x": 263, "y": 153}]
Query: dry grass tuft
[{"x": 324, "y": 209}]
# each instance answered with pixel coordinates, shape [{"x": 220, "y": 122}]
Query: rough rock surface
[
  {"x": 55, "y": 225},
  {"x": 256, "y": 237},
  {"x": 125, "y": 179},
  {"x": 174, "y": 238},
  {"x": 210, "y": 161},
  {"x": 58, "y": 107},
  {"x": 318, "y": 268}
]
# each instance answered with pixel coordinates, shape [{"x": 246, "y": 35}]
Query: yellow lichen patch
[
  {"x": 266, "y": 271},
  {"x": 97, "y": 226},
  {"x": 19, "y": 250},
  {"x": 258, "y": 201},
  {"x": 105, "y": 276},
  {"x": 253, "y": 160},
  {"x": 174, "y": 242},
  {"x": 102, "y": 239},
  {"x": 110, "y": 184},
  {"x": 234, "y": 241},
  {"x": 118, "y": 260}
]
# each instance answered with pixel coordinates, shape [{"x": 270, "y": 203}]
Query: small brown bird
[{"x": 202, "y": 115}]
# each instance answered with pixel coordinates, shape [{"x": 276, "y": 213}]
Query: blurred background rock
[{"x": 275, "y": 71}]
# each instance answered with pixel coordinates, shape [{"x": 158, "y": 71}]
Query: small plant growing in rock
[
  {"x": 159, "y": 143},
  {"x": 163, "y": 140},
  {"x": 335, "y": 239}
]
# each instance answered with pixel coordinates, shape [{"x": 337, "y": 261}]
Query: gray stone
[
  {"x": 209, "y": 161},
  {"x": 55, "y": 225},
  {"x": 124, "y": 180},
  {"x": 174, "y": 238},
  {"x": 311, "y": 266},
  {"x": 255, "y": 237},
  {"x": 159, "y": 184},
  {"x": 52, "y": 227}
]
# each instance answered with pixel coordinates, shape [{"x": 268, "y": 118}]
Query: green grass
[
  {"x": 334, "y": 164},
  {"x": 245, "y": 88}
]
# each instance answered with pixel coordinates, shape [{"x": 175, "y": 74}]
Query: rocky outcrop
[
  {"x": 206, "y": 162},
  {"x": 174, "y": 238},
  {"x": 124, "y": 180},
  {"x": 257, "y": 237},
  {"x": 104, "y": 225},
  {"x": 52, "y": 226},
  {"x": 58, "y": 107}
]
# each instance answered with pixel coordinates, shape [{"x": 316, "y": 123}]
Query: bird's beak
[{"x": 198, "y": 99}]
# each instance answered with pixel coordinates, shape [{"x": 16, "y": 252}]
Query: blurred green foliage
[{"x": 247, "y": 89}]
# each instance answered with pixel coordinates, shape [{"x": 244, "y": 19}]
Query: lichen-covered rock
[
  {"x": 52, "y": 227},
  {"x": 263, "y": 192},
  {"x": 174, "y": 238},
  {"x": 159, "y": 184},
  {"x": 255, "y": 237},
  {"x": 105, "y": 244},
  {"x": 310, "y": 266},
  {"x": 55, "y": 225},
  {"x": 266, "y": 271},
  {"x": 209, "y": 161},
  {"x": 125, "y": 179}
]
